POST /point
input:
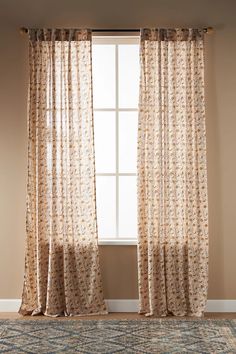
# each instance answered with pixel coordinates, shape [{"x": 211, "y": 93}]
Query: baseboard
[
  {"x": 9, "y": 305},
  {"x": 128, "y": 305},
  {"x": 221, "y": 306},
  {"x": 132, "y": 305},
  {"x": 121, "y": 305}
]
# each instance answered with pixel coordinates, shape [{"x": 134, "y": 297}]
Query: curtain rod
[{"x": 208, "y": 30}]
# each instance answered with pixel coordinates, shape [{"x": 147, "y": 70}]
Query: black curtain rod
[
  {"x": 24, "y": 30},
  {"x": 116, "y": 30}
]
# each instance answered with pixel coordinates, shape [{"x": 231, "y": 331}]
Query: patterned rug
[{"x": 118, "y": 336}]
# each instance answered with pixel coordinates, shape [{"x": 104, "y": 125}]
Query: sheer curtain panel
[
  {"x": 172, "y": 176},
  {"x": 62, "y": 272}
]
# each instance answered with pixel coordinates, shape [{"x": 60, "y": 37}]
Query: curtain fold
[
  {"x": 172, "y": 176},
  {"x": 62, "y": 271}
]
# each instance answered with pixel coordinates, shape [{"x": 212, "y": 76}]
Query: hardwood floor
[{"x": 112, "y": 316}]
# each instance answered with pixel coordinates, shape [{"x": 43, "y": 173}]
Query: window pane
[
  {"x": 127, "y": 207},
  {"x": 106, "y": 206},
  {"x": 128, "y": 75},
  {"x": 128, "y": 130},
  {"x": 104, "y": 137},
  {"x": 103, "y": 76}
]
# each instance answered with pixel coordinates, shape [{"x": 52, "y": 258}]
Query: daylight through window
[{"x": 115, "y": 99}]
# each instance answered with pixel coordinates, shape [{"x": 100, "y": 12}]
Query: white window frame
[{"x": 116, "y": 40}]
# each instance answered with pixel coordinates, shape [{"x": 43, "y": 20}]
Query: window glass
[{"x": 115, "y": 101}]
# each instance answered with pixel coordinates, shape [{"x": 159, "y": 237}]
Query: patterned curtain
[
  {"x": 62, "y": 272},
  {"x": 172, "y": 176}
]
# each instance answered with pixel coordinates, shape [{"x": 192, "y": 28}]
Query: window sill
[{"x": 117, "y": 243}]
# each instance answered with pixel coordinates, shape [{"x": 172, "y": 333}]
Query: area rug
[{"x": 117, "y": 336}]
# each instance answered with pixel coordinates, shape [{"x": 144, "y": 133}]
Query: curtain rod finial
[
  {"x": 209, "y": 30},
  {"x": 23, "y": 30}
]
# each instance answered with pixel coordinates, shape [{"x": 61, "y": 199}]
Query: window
[{"x": 115, "y": 97}]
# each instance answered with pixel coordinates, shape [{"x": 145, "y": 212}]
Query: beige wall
[{"x": 119, "y": 262}]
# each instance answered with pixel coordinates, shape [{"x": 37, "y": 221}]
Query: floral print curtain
[
  {"x": 62, "y": 272},
  {"x": 172, "y": 176}
]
